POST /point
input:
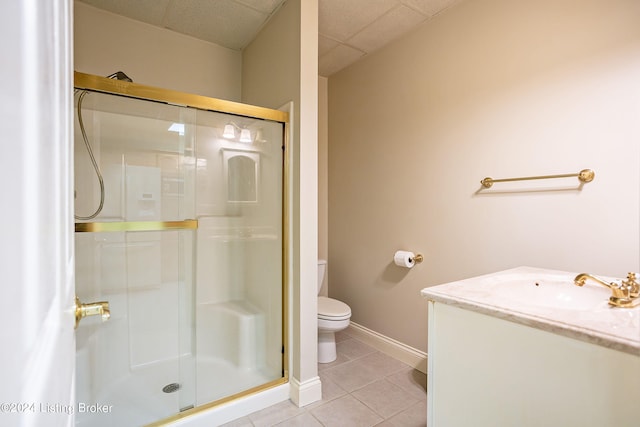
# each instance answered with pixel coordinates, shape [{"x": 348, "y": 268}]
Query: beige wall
[
  {"x": 488, "y": 88},
  {"x": 323, "y": 179},
  {"x": 281, "y": 66},
  {"x": 106, "y": 43}
]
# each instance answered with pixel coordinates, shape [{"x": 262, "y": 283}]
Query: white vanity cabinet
[{"x": 488, "y": 366}]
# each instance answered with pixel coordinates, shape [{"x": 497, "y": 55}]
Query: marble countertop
[{"x": 547, "y": 300}]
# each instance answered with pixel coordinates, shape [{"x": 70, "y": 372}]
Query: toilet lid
[{"x": 332, "y": 309}]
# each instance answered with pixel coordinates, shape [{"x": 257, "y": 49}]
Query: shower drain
[{"x": 170, "y": 388}]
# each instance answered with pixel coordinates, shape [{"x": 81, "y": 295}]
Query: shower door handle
[{"x": 100, "y": 308}]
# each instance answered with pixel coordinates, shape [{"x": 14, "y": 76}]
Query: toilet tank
[{"x": 322, "y": 268}]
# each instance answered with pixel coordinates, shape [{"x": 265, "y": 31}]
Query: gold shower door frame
[{"x": 94, "y": 83}]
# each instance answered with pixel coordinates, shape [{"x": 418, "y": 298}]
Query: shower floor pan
[{"x": 138, "y": 398}]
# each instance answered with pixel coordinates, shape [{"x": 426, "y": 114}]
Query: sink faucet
[{"x": 625, "y": 294}]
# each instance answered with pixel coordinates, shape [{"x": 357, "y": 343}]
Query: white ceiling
[{"x": 348, "y": 29}]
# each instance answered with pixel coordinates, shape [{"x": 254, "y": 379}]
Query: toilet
[{"x": 333, "y": 316}]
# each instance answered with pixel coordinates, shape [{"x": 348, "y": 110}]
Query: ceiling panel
[
  {"x": 226, "y": 23},
  {"x": 430, "y": 7},
  {"x": 337, "y": 59},
  {"x": 339, "y": 19},
  {"x": 325, "y": 44},
  {"x": 149, "y": 11},
  {"x": 388, "y": 27},
  {"x": 265, "y": 6},
  {"x": 348, "y": 29}
]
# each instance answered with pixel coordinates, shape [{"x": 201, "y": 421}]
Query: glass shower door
[
  {"x": 138, "y": 366},
  {"x": 187, "y": 249},
  {"x": 239, "y": 254}
]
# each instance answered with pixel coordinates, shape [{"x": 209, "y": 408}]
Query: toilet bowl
[{"x": 333, "y": 316}]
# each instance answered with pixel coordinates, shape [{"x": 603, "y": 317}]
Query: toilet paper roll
[{"x": 404, "y": 259}]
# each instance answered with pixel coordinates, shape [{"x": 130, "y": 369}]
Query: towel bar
[{"x": 585, "y": 175}]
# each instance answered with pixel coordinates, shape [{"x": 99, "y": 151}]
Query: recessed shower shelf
[{"x": 102, "y": 227}]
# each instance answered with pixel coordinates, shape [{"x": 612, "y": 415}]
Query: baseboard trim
[
  {"x": 409, "y": 355},
  {"x": 309, "y": 391}
]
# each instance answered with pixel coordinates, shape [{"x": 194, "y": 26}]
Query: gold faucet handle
[
  {"x": 100, "y": 308},
  {"x": 632, "y": 285}
]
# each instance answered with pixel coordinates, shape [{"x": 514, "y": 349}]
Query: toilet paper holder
[{"x": 407, "y": 259}]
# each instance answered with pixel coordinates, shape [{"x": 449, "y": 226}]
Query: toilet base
[{"x": 326, "y": 347}]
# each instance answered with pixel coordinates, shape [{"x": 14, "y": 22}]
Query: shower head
[{"x": 119, "y": 75}]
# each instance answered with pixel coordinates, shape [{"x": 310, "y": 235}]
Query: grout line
[{"x": 345, "y": 336}]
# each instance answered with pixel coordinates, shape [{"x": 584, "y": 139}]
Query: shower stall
[{"x": 180, "y": 238}]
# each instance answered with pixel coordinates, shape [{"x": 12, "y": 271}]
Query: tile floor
[{"x": 362, "y": 388}]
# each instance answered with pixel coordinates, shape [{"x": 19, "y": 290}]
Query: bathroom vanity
[{"x": 526, "y": 347}]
